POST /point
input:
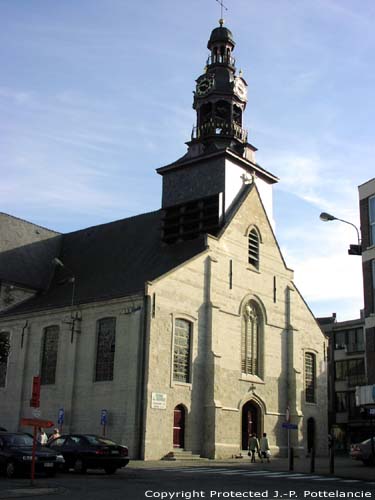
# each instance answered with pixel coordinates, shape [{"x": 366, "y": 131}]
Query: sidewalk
[{"x": 345, "y": 467}]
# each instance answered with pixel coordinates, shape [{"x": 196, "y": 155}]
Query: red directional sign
[{"x": 36, "y": 422}]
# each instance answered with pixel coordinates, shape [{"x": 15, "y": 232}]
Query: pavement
[{"x": 345, "y": 467}]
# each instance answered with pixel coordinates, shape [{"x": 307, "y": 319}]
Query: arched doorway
[
  {"x": 179, "y": 427},
  {"x": 251, "y": 422},
  {"x": 310, "y": 434}
]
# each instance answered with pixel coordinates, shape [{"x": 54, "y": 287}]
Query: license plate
[
  {"x": 115, "y": 453},
  {"x": 48, "y": 464}
]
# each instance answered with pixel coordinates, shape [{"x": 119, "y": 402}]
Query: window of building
[
  {"x": 49, "y": 355},
  {"x": 254, "y": 248},
  {"x": 106, "y": 345},
  {"x": 352, "y": 370},
  {"x": 4, "y": 339},
  {"x": 371, "y": 207},
  {"x": 182, "y": 351},
  {"x": 250, "y": 340},
  {"x": 341, "y": 402},
  {"x": 310, "y": 377},
  {"x": 352, "y": 340},
  {"x": 373, "y": 284}
]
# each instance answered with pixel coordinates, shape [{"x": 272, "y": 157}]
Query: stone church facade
[{"x": 184, "y": 324}]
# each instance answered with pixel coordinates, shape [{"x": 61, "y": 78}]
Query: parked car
[
  {"x": 88, "y": 451},
  {"x": 363, "y": 451},
  {"x": 16, "y": 454}
]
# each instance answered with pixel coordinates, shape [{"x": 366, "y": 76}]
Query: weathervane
[{"x": 222, "y": 6}]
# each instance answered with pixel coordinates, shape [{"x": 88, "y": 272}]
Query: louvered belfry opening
[
  {"x": 254, "y": 248},
  {"x": 188, "y": 220}
]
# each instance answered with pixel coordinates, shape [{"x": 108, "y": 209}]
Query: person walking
[
  {"x": 41, "y": 436},
  {"x": 264, "y": 447},
  {"x": 253, "y": 447},
  {"x": 54, "y": 435}
]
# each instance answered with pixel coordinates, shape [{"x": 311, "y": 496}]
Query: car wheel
[
  {"x": 79, "y": 466},
  {"x": 110, "y": 470},
  {"x": 10, "y": 470}
]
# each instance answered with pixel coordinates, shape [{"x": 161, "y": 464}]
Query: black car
[
  {"x": 88, "y": 451},
  {"x": 16, "y": 453}
]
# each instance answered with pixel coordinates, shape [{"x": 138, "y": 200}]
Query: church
[{"x": 178, "y": 331}]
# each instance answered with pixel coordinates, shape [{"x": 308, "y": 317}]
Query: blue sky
[{"x": 95, "y": 95}]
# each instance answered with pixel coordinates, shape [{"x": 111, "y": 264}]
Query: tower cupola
[{"x": 220, "y": 98}]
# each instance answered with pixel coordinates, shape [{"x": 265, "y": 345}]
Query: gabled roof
[
  {"x": 24, "y": 250},
  {"x": 110, "y": 261}
]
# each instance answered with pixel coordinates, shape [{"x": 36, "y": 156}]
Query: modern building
[
  {"x": 367, "y": 215},
  {"x": 346, "y": 371},
  {"x": 183, "y": 324}
]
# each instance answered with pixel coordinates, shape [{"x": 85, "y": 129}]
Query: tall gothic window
[
  {"x": 49, "y": 355},
  {"x": 250, "y": 341},
  {"x": 310, "y": 377},
  {"x": 105, "y": 353},
  {"x": 254, "y": 248},
  {"x": 181, "y": 351},
  {"x": 4, "y": 340}
]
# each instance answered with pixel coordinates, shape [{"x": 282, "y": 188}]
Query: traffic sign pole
[{"x": 33, "y": 457}]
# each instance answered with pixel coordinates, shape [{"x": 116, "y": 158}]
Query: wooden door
[
  {"x": 179, "y": 427},
  {"x": 249, "y": 423}
]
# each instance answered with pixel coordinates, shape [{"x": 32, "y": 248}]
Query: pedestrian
[
  {"x": 54, "y": 435},
  {"x": 41, "y": 436},
  {"x": 264, "y": 447},
  {"x": 253, "y": 447}
]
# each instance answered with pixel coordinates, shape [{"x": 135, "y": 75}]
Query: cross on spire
[{"x": 222, "y": 6}]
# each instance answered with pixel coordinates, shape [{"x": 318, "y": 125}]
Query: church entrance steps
[{"x": 180, "y": 454}]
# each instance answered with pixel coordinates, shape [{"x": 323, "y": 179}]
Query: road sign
[
  {"x": 60, "y": 417},
  {"x": 35, "y": 395},
  {"x": 103, "y": 417},
  {"x": 36, "y": 413},
  {"x": 371, "y": 412},
  {"x": 287, "y": 425},
  {"x": 36, "y": 422}
]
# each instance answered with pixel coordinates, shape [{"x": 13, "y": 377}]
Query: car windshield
[
  {"x": 18, "y": 440},
  {"x": 99, "y": 440}
]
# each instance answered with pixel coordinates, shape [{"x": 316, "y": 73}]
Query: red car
[{"x": 88, "y": 451}]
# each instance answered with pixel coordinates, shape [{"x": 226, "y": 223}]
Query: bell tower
[
  {"x": 220, "y": 97},
  {"x": 202, "y": 186}
]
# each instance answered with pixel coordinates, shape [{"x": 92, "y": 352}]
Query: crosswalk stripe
[
  {"x": 325, "y": 478},
  {"x": 350, "y": 480}
]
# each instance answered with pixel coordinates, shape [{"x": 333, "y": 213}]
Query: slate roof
[
  {"x": 109, "y": 261},
  {"x": 25, "y": 248}
]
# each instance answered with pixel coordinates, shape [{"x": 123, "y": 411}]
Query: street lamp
[
  {"x": 72, "y": 279},
  {"x": 353, "y": 249}
]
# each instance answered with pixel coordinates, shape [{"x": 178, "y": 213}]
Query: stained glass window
[
  {"x": 49, "y": 355},
  {"x": 106, "y": 345},
  {"x": 182, "y": 348}
]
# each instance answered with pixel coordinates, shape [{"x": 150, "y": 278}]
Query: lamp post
[
  {"x": 72, "y": 280},
  {"x": 74, "y": 316},
  {"x": 353, "y": 249}
]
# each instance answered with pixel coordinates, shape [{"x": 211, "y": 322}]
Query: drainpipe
[{"x": 142, "y": 404}]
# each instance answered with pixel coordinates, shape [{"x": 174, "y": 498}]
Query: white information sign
[{"x": 158, "y": 400}]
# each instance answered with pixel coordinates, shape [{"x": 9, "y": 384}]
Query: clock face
[
  {"x": 205, "y": 85},
  {"x": 240, "y": 88}
]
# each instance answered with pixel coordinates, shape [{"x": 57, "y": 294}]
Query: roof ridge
[
  {"x": 29, "y": 222},
  {"x": 114, "y": 221}
]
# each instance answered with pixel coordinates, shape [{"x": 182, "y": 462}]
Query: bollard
[
  {"x": 291, "y": 458},
  {"x": 312, "y": 460}
]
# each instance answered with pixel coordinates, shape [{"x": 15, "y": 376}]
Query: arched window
[
  {"x": 4, "y": 343},
  {"x": 49, "y": 355},
  {"x": 250, "y": 340},
  {"x": 182, "y": 351},
  {"x": 106, "y": 345},
  {"x": 310, "y": 377},
  {"x": 254, "y": 248}
]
